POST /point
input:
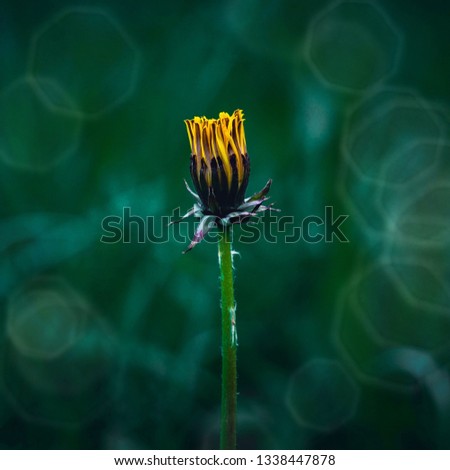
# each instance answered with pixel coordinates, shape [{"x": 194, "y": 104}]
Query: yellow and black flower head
[
  {"x": 219, "y": 161},
  {"x": 220, "y": 168}
]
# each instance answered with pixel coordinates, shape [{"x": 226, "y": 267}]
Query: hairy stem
[{"x": 229, "y": 345}]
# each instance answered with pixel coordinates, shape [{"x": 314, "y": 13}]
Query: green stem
[{"x": 229, "y": 345}]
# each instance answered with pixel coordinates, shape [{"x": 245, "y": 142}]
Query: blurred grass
[{"x": 142, "y": 366}]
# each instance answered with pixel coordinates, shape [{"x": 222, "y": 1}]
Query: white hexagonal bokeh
[
  {"x": 393, "y": 311},
  {"x": 423, "y": 283},
  {"x": 352, "y": 46},
  {"x": 58, "y": 351},
  {"x": 392, "y": 137},
  {"x": 45, "y": 319},
  {"x": 32, "y": 137},
  {"x": 90, "y": 56},
  {"x": 321, "y": 395},
  {"x": 393, "y": 147},
  {"x": 423, "y": 219},
  {"x": 389, "y": 331}
]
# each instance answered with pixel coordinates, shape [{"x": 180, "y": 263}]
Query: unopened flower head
[
  {"x": 219, "y": 161},
  {"x": 220, "y": 169}
]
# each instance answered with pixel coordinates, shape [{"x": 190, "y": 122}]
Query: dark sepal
[{"x": 261, "y": 194}]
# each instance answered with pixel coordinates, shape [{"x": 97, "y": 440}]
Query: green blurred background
[{"x": 117, "y": 346}]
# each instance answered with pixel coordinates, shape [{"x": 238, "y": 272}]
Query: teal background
[{"x": 117, "y": 346}]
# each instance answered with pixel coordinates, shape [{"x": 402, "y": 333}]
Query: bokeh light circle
[
  {"x": 58, "y": 351},
  {"x": 389, "y": 331},
  {"x": 393, "y": 148},
  {"x": 42, "y": 323},
  {"x": 321, "y": 395},
  {"x": 32, "y": 137},
  {"x": 91, "y": 58},
  {"x": 352, "y": 46}
]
